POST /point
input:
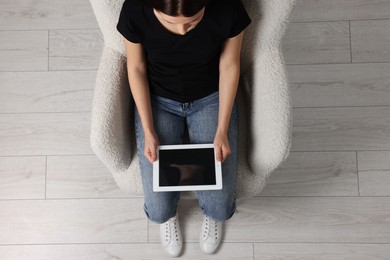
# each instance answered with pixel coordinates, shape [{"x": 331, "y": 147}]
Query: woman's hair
[{"x": 186, "y": 8}]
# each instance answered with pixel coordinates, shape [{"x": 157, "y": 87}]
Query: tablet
[{"x": 186, "y": 167}]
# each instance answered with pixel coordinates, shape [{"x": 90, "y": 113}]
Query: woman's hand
[
  {"x": 221, "y": 145},
  {"x": 151, "y": 143}
]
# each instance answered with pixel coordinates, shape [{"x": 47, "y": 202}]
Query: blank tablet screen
[{"x": 187, "y": 167}]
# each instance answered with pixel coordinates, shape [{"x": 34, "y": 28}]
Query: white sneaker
[
  {"x": 170, "y": 235},
  {"x": 211, "y": 234}
]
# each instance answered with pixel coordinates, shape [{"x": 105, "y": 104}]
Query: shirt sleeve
[
  {"x": 240, "y": 18},
  {"x": 125, "y": 26}
]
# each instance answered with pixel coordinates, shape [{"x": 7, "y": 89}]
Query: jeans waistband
[
  {"x": 186, "y": 108},
  {"x": 207, "y": 99}
]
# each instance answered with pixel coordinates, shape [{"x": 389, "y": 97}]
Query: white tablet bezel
[{"x": 156, "y": 163}]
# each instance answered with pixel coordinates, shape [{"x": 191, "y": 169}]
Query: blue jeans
[{"x": 201, "y": 117}]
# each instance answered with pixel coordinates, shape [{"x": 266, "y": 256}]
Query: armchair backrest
[
  {"x": 268, "y": 17},
  {"x": 107, "y": 15}
]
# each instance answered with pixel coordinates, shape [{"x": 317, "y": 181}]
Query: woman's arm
[
  {"x": 139, "y": 86},
  {"x": 229, "y": 74}
]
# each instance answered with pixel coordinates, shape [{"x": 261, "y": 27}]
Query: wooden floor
[{"x": 329, "y": 200}]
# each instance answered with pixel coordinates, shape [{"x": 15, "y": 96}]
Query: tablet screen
[{"x": 187, "y": 167}]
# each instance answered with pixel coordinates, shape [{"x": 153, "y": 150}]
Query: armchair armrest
[{"x": 111, "y": 129}]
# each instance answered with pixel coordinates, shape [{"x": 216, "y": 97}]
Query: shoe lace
[
  {"x": 171, "y": 229},
  {"x": 211, "y": 228}
]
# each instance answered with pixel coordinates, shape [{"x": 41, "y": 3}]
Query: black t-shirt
[{"x": 183, "y": 67}]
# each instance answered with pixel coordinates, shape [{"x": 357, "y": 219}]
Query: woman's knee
[
  {"x": 161, "y": 207},
  {"x": 159, "y": 215},
  {"x": 220, "y": 209}
]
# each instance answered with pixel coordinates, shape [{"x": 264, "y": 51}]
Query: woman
[{"x": 183, "y": 67}]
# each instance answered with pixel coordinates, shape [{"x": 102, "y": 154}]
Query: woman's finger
[
  {"x": 153, "y": 154},
  {"x": 226, "y": 152},
  {"x": 148, "y": 154},
  {"x": 218, "y": 152}
]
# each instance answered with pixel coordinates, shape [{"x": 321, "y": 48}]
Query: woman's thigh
[
  {"x": 202, "y": 127},
  {"x": 159, "y": 206}
]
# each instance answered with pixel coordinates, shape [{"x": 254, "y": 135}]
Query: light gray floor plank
[
  {"x": 75, "y": 49},
  {"x": 54, "y": 91},
  {"x": 333, "y": 85},
  {"x": 191, "y": 251},
  {"x": 347, "y": 128},
  {"x": 23, "y": 50},
  {"x": 46, "y": 14},
  {"x": 296, "y": 219},
  {"x": 45, "y": 134},
  {"x": 374, "y": 173},
  {"x": 370, "y": 41},
  {"x": 311, "y": 251},
  {"x": 331, "y": 10},
  {"x": 72, "y": 221},
  {"x": 324, "y": 42},
  {"x": 22, "y": 177},
  {"x": 314, "y": 174},
  {"x": 80, "y": 177}
]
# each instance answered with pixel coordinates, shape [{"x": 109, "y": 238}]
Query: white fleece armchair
[{"x": 264, "y": 99}]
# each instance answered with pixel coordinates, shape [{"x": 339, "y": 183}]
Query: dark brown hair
[{"x": 186, "y": 8}]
